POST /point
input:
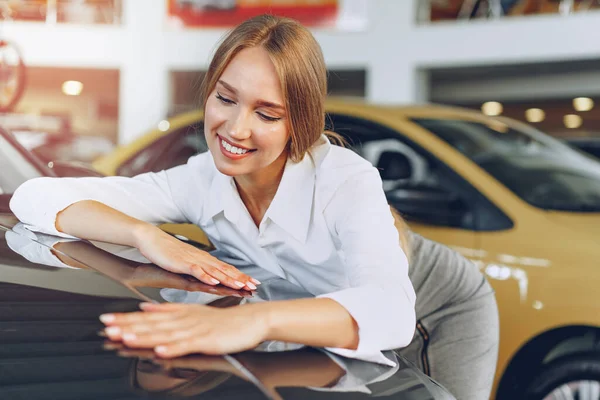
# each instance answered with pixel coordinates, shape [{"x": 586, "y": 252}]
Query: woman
[{"x": 272, "y": 190}]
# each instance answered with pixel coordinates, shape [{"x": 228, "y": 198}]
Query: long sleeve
[
  {"x": 380, "y": 296},
  {"x": 156, "y": 198}
]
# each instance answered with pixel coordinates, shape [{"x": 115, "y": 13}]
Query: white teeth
[{"x": 232, "y": 149}]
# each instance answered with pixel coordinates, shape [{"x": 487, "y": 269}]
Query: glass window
[
  {"x": 167, "y": 152},
  {"x": 541, "y": 170},
  {"x": 15, "y": 167},
  {"x": 418, "y": 185}
]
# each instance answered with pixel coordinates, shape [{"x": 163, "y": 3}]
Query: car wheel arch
[{"x": 542, "y": 349}]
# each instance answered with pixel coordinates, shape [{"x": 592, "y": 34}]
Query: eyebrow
[{"x": 262, "y": 103}]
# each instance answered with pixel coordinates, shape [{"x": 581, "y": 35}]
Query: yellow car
[{"x": 523, "y": 206}]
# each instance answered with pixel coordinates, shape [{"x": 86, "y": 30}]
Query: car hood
[{"x": 50, "y": 301}]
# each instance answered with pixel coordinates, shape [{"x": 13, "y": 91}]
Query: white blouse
[{"x": 328, "y": 229}]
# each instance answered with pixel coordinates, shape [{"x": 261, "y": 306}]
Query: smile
[
  {"x": 233, "y": 152},
  {"x": 233, "y": 149}
]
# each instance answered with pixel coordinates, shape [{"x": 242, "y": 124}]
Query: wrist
[
  {"x": 265, "y": 316},
  {"x": 141, "y": 233}
]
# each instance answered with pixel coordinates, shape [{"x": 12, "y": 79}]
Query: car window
[
  {"x": 14, "y": 166},
  {"x": 541, "y": 170},
  {"x": 416, "y": 183},
  {"x": 169, "y": 151}
]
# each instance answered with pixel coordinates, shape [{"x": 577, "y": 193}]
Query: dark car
[
  {"x": 590, "y": 146},
  {"x": 52, "y": 291}
]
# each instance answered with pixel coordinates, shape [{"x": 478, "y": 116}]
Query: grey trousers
[{"x": 456, "y": 340}]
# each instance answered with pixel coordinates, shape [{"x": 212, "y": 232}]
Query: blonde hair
[
  {"x": 300, "y": 65},
  {"x": 403, "y": 232}
]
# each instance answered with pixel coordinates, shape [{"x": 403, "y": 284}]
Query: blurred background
[{"x": 112, "y": 69}]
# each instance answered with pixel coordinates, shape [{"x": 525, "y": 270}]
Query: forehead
[{"x": 251, "y": 72}]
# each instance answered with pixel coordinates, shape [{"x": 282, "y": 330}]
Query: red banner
[{"x": 229, "y": 13}]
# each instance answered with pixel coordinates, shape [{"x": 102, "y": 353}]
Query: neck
[{"x": 258, "y": 189}]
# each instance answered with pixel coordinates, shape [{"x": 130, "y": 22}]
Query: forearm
[
  {"x": 93, "y": 220},
  {"x": 314, "y": 322}
]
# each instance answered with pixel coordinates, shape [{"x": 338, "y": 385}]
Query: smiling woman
[{"x": 272, "y": 191}]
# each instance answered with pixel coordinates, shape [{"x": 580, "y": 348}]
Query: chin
[{"x": 227, "y": 169}]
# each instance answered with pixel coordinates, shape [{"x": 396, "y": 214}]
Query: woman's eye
[
  {"x": 224, "y": 100},
  {"x": 267, "y": 118}
]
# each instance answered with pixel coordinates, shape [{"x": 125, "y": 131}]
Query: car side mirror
[{"x": 393, "y": 166}]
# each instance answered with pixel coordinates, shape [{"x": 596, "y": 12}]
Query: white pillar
[
  {"x": 144, "y": 78},
  {"x": 392, "y": 77}
]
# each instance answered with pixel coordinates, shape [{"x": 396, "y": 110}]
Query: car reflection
[{"x": 274, "y": 370}]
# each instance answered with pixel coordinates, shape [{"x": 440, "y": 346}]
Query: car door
[{"x": 435, "y": 201}]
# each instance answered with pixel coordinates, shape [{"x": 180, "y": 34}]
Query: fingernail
[
  {"x": 113, "y": 330},
  {"x": 107, "y": 318},
  {"x": 256, "y": 281},
  {"x": 145, "y": 306},
  {"x": 251, "y": 285},
  {"x": 160, "y": 349},
  {"x": 238, "y": 284},
  {"x": 129, "y": 336},
  {"x": 213, "y": 280}
]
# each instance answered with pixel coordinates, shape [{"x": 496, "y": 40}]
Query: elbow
[
  {"x": 27, "y": 197},
  {"x": 20, "y": 200},
  {"x": 404, "y": 323}
]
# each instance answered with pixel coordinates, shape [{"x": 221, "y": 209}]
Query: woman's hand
[
  {"x": 173, "y": 255},
  {"x": 148, "y": 275},
  {"x": 173, "y": 330}
]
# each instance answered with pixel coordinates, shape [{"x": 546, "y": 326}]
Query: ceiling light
[
  {"x": 583, "y": 104},
  {"x": 72, "y": 88},
  {"x": 492, "y": 108},
  {"x": 535, "y": 115},
  {"x": 572, "y": 121},
  {"x": 164, "y": 125}
]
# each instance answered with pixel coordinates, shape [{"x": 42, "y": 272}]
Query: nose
[{"x": 239, "y": 126}]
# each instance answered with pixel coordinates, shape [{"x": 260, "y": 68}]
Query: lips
[{"x": 233, "y": 151}]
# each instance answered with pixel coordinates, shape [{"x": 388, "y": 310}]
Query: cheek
[
  {"x": 274, "y": 137},
  {"x": 213, "y": 114}
]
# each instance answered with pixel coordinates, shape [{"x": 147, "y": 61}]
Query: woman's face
[{"x": 245, "y": 120}]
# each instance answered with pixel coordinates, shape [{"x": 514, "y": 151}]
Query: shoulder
[
  {"x": 196, "y": 174},
  {"x": 340, "y": 169}
]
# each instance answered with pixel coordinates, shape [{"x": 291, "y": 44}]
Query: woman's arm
[
  {"x": 318, "y": 322},
  {"x": 174, "y": 330},
  {"x": 105, "y": 209},
  {"x": 92, "y": 220},
  {"x": 123, "y": 211}
]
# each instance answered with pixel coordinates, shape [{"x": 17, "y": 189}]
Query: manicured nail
[
  {"x": 107, "y": 318},
  {"x": 238, "y": 284},
  {"x": 213, "y": 280},
  {"x": 251, "y": 285},
  {"x": 160, "y": 349},
  {"x": 145, "y": 306},
  {"x": 113, "y": 330},
  {"x": 129, "y": 336},
  {"x": 256, "y": 281}
]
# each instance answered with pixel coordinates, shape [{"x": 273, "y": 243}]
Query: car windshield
[
  {"x": 14, "y": 166},
  {"x": 541, "y": 170}
]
